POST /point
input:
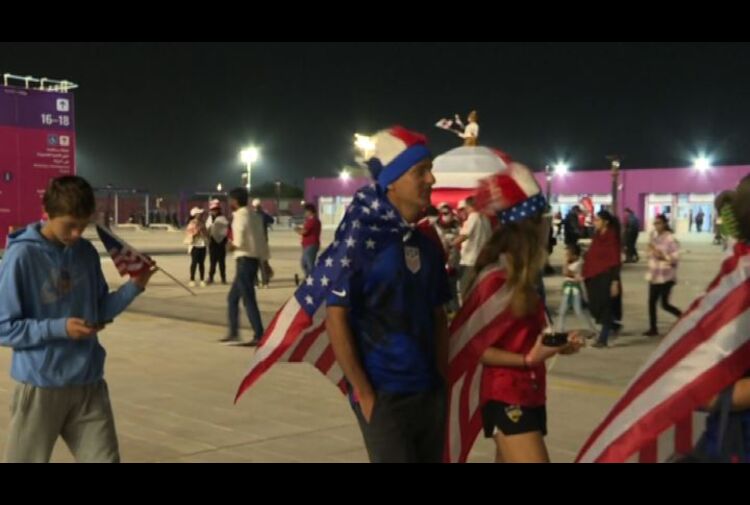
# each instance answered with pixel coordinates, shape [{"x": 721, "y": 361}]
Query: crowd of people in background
[
  {"x": 593, "y": 258},
  {"x": 380, "y": 308}
]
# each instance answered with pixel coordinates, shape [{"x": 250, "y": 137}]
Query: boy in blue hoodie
[{"x": 53, "y": 301}]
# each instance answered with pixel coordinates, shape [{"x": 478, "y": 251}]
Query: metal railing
[{"x": 43, "y": 83}]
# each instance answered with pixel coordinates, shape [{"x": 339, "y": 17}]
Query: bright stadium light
[
  {"x": 365, "y": 145},
  {"x": 561, "y": 168},
  {"x": 344, "y": 175},
  {"x": 702, "y": 163},
  {"x": 248, "y": 156}
]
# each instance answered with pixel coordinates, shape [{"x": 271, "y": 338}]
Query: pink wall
[
  {"x": 37, "y": 143},
  {"x": 636, "y": 183},
  {"x": 315, "y": 187}
]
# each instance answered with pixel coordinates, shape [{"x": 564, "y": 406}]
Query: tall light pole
[
  {"x": 548, "y": 174},
  {"x": 614, "y": 160},
  {"x": 248, "y": 156}
]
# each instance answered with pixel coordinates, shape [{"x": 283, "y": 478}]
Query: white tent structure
[{"x": 463, "y": 167}]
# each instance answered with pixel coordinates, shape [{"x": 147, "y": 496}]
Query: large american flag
[
  {"x": 483, "y": 319},
  {"x": 298, "y": 331},
  {"x": 708, "y": 349},
  {"x": 128, "y": 260}
]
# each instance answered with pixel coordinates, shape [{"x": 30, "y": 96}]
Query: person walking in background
[
  {"x": 632, "y": 228},
  {"x": 265, "y": 270},
  {"x": 601, "y": 271},
  {"x": 218, "y": 228},
  {"x": 699, "y": 221},
  {"x": 572, "y": 289},
  {"x": 310, "y": 233},
  {"x": 663, "y": 255},
  {"x": 250, "y": 248},
  {"x": 196, "y": 238}
]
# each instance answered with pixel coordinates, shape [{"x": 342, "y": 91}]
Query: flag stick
[
  {"x": 145, "y": 258},
  {"x": 174, "y": 279}
]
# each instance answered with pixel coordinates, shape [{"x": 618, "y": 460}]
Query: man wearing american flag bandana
[{"x": 370, "y": 316}]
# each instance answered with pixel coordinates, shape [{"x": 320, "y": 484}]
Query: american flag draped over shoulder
[
  {"x": 483, "y": 319},
  {"x": 513, "y": 195},
  {"x": 128, "y": 260},
  {"x": 708, "y": 349},
  {"x": 298, "y": 332}
]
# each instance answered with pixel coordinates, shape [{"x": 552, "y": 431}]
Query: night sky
[{"x": 171, "y": 116}]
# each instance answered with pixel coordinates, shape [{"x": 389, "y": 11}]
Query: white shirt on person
[
  {"x": 218, "y": 227},
  {"x": 471, "y": 130},
  {"x": 247, "y": 235},
  {"x": 478, "y": 231}
]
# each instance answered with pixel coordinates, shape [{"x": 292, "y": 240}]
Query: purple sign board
[{"x": 37, "y": 143}]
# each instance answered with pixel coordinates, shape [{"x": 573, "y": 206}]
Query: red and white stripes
[{"x": 706, "y": 350}]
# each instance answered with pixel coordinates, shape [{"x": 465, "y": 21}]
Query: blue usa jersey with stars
[{"x": 391, "y": 277}]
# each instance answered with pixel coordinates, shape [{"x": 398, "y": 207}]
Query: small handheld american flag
[{"x": 128, "y": 261}]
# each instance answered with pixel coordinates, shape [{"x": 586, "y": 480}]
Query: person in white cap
[
  {"x": 218, "y": 228},
  {"x": 196, "y": 239}
]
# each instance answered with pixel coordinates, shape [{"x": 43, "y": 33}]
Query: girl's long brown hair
[{"x": 524, "y": 247}]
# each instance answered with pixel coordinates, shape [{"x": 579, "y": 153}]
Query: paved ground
[{"x": 172, "y": 384}]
